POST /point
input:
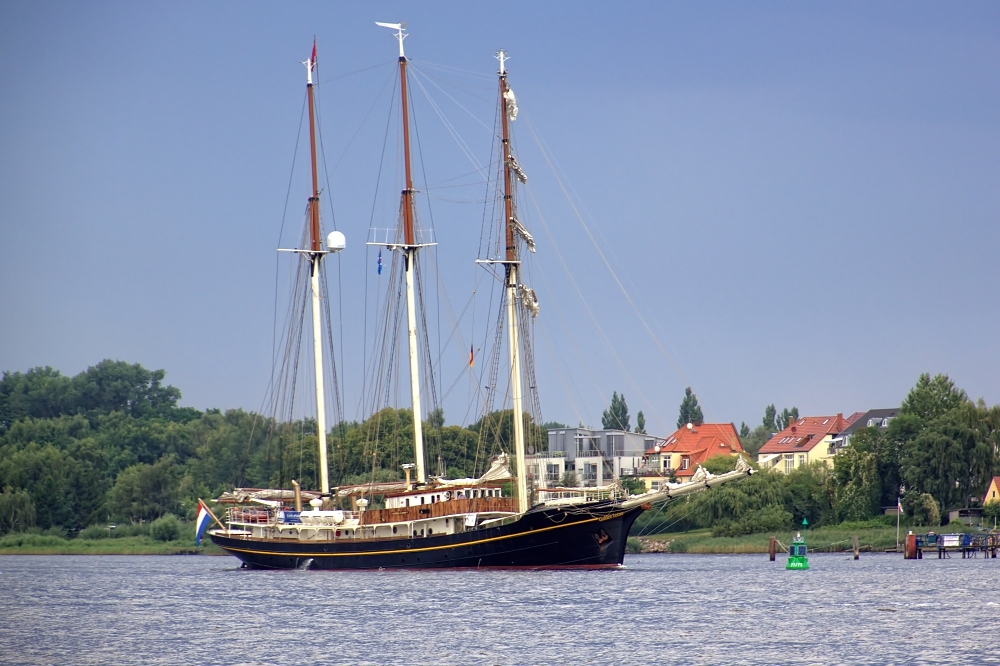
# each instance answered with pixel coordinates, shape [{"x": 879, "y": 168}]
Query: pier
[{"x": 945, "y": 545}]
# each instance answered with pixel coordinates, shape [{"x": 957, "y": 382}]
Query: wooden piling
[
  {"x": 854, "y": 543},
  {"x": 910, "y": 547},
  {"x": 772, "y": 548}
]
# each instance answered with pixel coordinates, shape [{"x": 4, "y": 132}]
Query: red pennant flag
[
  {"x": 472, "y": 356},
  {"x": 312, "y": 61}
]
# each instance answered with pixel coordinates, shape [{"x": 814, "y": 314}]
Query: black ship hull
[{"x": 591, "y": 535}]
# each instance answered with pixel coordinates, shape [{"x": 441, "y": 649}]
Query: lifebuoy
[{"x": 447, "y": 495}]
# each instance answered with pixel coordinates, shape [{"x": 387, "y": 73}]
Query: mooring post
[
  {"x": 854, "y": 542},
  {"x": 771, "y": 548}
]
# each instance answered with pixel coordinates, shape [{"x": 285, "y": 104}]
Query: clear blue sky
[{"x": 801, "y": 199}]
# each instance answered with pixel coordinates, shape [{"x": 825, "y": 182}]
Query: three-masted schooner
[{"x": 433, "y": 523}]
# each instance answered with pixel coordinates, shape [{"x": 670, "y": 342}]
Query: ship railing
[{"x": 250, "y": 516}]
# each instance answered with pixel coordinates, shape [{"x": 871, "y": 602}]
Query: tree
[
  {"x": 859, "y": 489},
  {"x": 569, "y": 479},
  {"x": 931, "y": 398},
  {"x": 744, "y": 430},
  {"x": 769, "y": 423},
  {"x": 17, "y": 511},
  {"x": 640, "y": 423},
  {"x": 615, "y": 417},
  {"x": 788, "y": 416},
  {"x": 690, "y": 412}
]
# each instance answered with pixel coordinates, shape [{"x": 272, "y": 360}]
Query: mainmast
[
  {"x": 409, "y": 250},
  {"x": 511, "y": 265},
  {"x": 315, "y": 253}
]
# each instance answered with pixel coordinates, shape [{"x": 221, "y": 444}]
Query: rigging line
[
  {"x": 371, "y": 220},
  {"x": 457, "y": 103},
  {"x": 562, "y": 380},
  {"x": 576, "y": 212},
  {"x": 467, "y": 72},
  {"x": 610, "y": 248},
  {"x": 417, "y": 274},
  {"x": 360, "y": 127},
  {"x": 448, "y": 126},
  {"x": 586, "y": 305},
  {"x": 357, "y": 71}
]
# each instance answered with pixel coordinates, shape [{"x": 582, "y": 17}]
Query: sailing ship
[{"x": 427, "y": 521}]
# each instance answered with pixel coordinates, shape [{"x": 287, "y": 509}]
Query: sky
[{"x": 768, "y": 202}]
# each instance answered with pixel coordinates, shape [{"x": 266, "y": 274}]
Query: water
[{"x": 690, "y": 609}]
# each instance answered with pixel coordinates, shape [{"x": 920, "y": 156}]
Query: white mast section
[{"x": 324, "y": 476}]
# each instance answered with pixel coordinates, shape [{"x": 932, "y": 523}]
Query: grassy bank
[
  {"x": 42, "y": 544},
  {"x": 836, "y": 538}
]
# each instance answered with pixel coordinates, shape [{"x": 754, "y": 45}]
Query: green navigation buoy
[{"x": 797, "y": 558}]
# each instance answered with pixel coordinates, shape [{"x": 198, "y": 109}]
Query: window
[
  {"x": 685, "y": 462},
  {"x": 802, "y": 459},
  {"x": 789, "y": 463}
]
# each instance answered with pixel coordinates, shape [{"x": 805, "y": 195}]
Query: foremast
[
  {"x": 409, "y": 250},
  {"x": 511, "y": 265},
  {"x": 316, "y": 254}
]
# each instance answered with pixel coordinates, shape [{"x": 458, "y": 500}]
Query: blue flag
[{"x": 380, "y": 261}]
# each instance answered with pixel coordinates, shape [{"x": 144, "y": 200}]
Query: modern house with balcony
[{"x": 596, "y": 457}]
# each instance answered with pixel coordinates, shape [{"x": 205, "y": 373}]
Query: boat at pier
[{"x": 431, "y": 521}]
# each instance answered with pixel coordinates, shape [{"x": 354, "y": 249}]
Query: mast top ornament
[
  {"x": 400, "y": 33},
  {"x": 310, "y": 65},
  {"x": 502, "y": 56}
]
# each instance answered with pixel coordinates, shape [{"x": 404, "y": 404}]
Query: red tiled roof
[
  {"x": 804, "y": 434},
  {"x": 701, "y": 443},
  {"x": 854, "y": 417}
]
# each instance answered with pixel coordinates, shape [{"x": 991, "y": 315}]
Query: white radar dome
[
  {"x": 316, "y": 503},
  {"x": 335, "y": 241}
]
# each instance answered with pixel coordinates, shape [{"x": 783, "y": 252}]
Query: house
[
  {"x": 873, "y": 418},
  {"x": 681, "y": 453},
  {"x": 992, "y": 491},
  {"x": 596, "y": 457},
  {"x": 804, "y": 441}
]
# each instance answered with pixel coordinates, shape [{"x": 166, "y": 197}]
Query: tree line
[
  {"x": 112, "y": 444},
  {"x": 939, "y": 453}
]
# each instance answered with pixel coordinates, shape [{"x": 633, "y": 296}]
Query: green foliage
[
  {"x": 720, "y": 464},
  {"x": 768, "y": 519},
  {"x": 145, "y": 492},
  {"x": 632, "y": 485},
  {"x": 569, "y": 479},
  {"x": 744, "y": 430},
  {"x": 787, "y": 417},
  {"x": 755, "y": 439},
  {"x": 690, "y": 411},
  {"x": 17, "y": 510},
  {"x": 616, "y": 416},
  {"x": 553, "y": 425},
  {"x": 95, "y": 532},
  {"x": 769, "y": 423},
  {"x": 859, "y": 487},
  {"x": 633, "y": 546},
  {"x": 931, "y": 398},
  {"x": 991, "y": 512},
  {"x": 923, "y": 508},
  {"x": 640, "y": 423},
  {"x": 166, "y": 528}
]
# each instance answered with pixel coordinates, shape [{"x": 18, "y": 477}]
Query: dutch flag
[{"x": 201, "y": 523}]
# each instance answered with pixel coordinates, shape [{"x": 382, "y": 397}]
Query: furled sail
[
  {"x": 516, "y": 168},
  {"x": 511, "y": 104},
  {"x": 522, "y": 231},
  {"x": 529, "y": 298},
  {"x": 498, "y": 471}
]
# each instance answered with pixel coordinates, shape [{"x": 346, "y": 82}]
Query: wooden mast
[
  {"x": 511, "y": 265},
  {"x": 316, "y": 254},
  {"x": 410, "y": 247}
]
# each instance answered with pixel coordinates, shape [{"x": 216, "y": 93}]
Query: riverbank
[
  {"x": 832, "y": 539},
  {"x": 42, "y": 544}
]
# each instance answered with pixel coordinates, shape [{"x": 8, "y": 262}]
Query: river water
[{"x": 688, "y": 609}]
